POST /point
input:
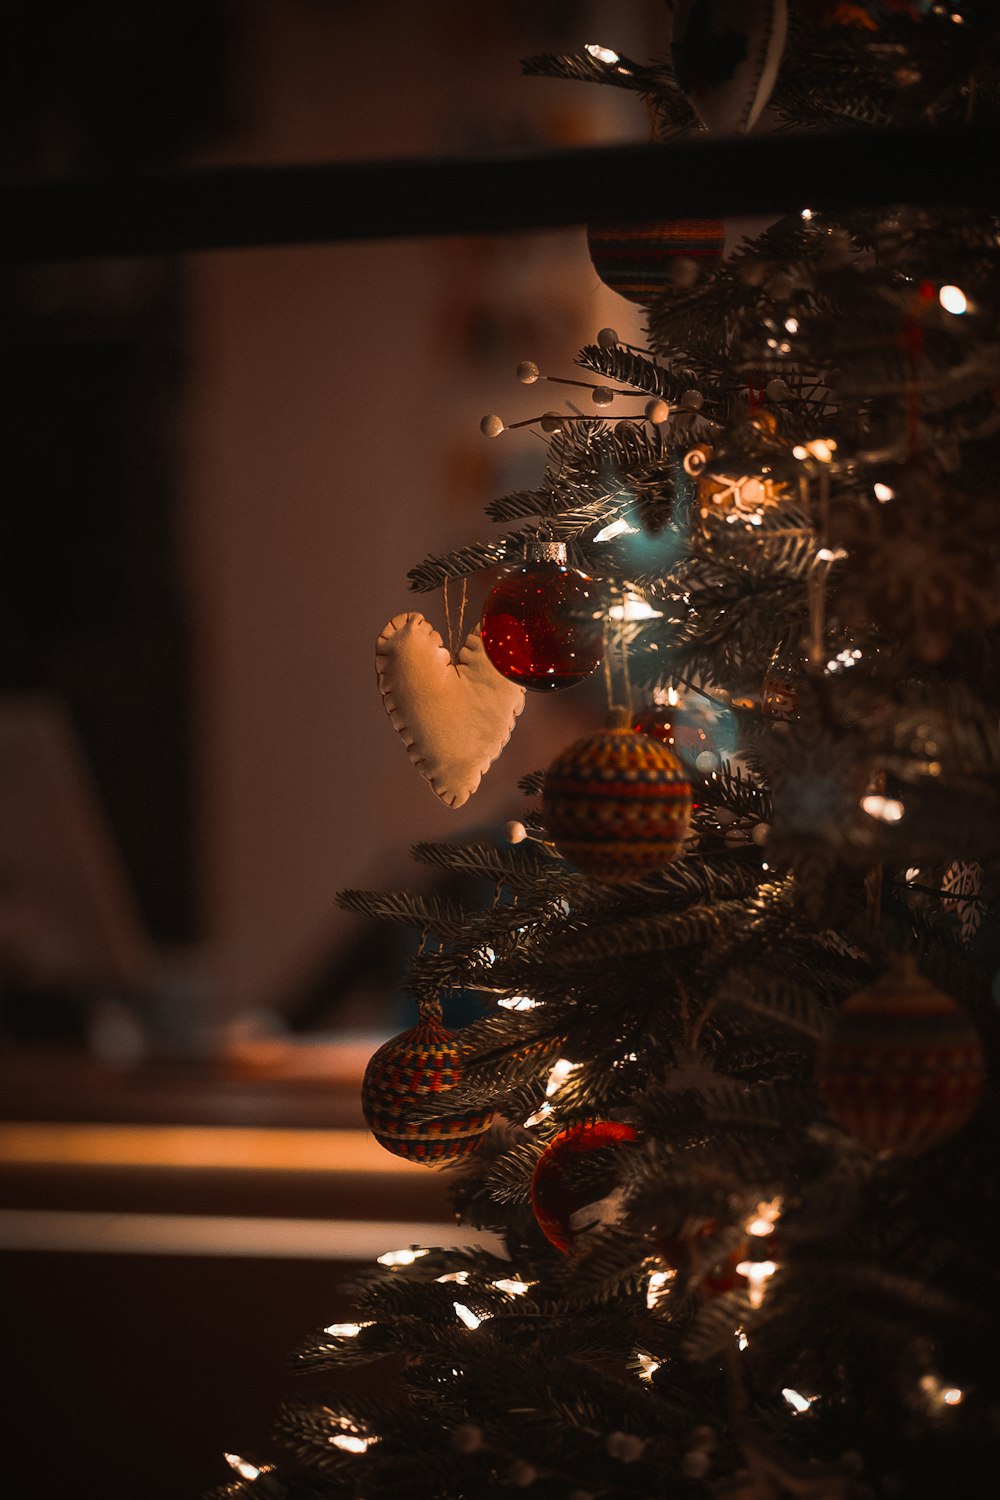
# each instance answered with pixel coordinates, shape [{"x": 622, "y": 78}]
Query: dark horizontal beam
[{"x": 228, "y": 207}]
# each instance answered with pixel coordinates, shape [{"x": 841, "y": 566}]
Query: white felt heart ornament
[{"x": 453, "y": 717}]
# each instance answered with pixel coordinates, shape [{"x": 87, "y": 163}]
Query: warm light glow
[
  {"x": 513, "y": 1286},
  {"x": 940, "y": 1394},
  {"x": 545, "y": 1108},
  {"x": 462, "y": 1277},
  {"x": 345, "y": 1330},
  {"x": 742, "y": 1342},
  {"x": 648, "y": 1366},
  {"x": 886, "y": 809},
  {"x": 758, "y": 1273},
  {"x": 616, "y": 528},
  {"x": 466, "y": 1315},
  {"x": 799, "y": 452},
  {"x": 791, "y": 325},
  {"x": 560, "y": 1072},
  {"x": 953, "y": 1396},
  {"x": 657, "y": 1286},
  {"x": 351, "y": 1442},
  {"x": 517, "y": 1002},
  {"x": 884, "y": 492},
  {"x": 243, "y": 1467},
  {"x": 795, "y": 1400},
  {"x": 827, "y": 555},
  {"x": 602, "y": 54},
  {"x": 401, "y": 1257},
  {"x": 912, "y": 872},
  {"x": 807, "y": 214},
  {"x": 634, "y": 608},
  {"x": 953, "y": 299},
  {"x": 765, "y": 1218}
]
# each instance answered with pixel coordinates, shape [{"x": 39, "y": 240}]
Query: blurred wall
[{"x": 333, "y": 440}]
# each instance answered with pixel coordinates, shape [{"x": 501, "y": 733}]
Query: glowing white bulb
[
  {"x": 826, "y": 555},
  {"x": 953, "y": 299},
  {"x": 886, "y": 809},
  {"x": 544, "y": 1109},
  {"x": 351, "y": 1442},
  {"x": 616, "y": 528},
  {"x": 884, "y": 492},
  {"x": 657, "y": 1285},
  {"x": 758, "y": 1273},
  {"x": 807, "y": 214},
  {"x": 560, "y": 1072},
  {"x": 742, "y": 1342},
  {"x": 764, "y": 1220},
  {"x": 243, "y": 1467},
  {"x": 401, "y": 1257},
  {"x": 513, "y": 1286},
  {"x": 462, "y": 1277},
  {"x": 517, "y": 1002},
  {"x": 796, "y": 1401},
  {"x": 648, "y": 1366},
  {"x": 602, "y": 54},
  {"x": 345, "y": 1330},
  {"x": 791, "y": 325},
  {"x": 466, "y": 1315},
  {"x": 634, "y": 608},
  {"x": 799, "y": 452},
  {"x": 953, "y": 1396}
]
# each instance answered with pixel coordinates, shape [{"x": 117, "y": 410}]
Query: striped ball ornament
[
  {"x": 617, "y": 805},
  {"x": 421, "y": 1061},
  {"x": 903, "y": 1068},
  {"x": 638, "y": 260}
]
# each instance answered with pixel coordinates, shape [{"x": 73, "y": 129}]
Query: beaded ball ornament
[
  {"x": 421, "y": 1061},
  {"x": 903, "y": 1069},
  {"x": 638, "y": 260},
  {"x": 617, "y": 805}
]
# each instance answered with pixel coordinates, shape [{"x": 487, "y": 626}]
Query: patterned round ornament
[
  {"x": 903, "y": 1069},
  {"x": 421, "y": 1061},
  {"x": 617, "y": 804},
  {"x": 638, "y": 260},
  {"x": 541, "y": 628},
  {"x": 573, "y": 1184}
]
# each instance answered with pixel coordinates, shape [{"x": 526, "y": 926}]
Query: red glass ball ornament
[
  {"x": 617, "y": 805},
  {"x": 575, "y": 1170},
  {"x": 903, "y": 1068},
  {"x": 424, "y": 1060},
  {"x": 540, "y": 625}
]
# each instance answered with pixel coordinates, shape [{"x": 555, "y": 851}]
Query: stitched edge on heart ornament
[{"x": 453, "y": 717}]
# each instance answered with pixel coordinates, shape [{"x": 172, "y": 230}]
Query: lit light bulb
[
  {"x": 616, "y": 528},
  {"x": 791, "y": 325},
  {"x": 758, "y": 1273},
  {"x": 462, "y": 1277},
  {"x": 243, "y": 1467},
  {"x": 517, "y": 1002},
  {"x": 351, "y": 1442},
  {"x": 807, "y": 214},
  {"x": 742, "y": 1342},
  {"x": 513, "y": 1286},
  {"x": 884, "y": 492},
  {"x": 634, "y": 608},
  {"x": 560, "y": 1072},
  {"x": 602, "y": 54},
  {"x": 796, "y": 1401},
  {"x": 657, "y": 1286},
  {"x": 886, "y": 809},
  {"x": 345, "y": 1330},
  {"x": 402, "y": 1257},
  {"x": 953, "y": 300},
  {"x": 466, "y": 1315},
  {"x": 648, "y": 1366},
  {"x": 764, "y": 1220}
]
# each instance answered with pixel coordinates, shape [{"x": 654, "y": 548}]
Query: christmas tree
[{"x": 729, "y": 1114}]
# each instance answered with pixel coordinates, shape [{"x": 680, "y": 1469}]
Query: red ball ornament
[
  {"x": 903, "y": 1068},
  {"x": 617, "y": 804},
  {"x": 421, "y": 1061},
  {"x": 571, "y": 1177},
  {"x": 540, "y": 626},
  {"x": 638, "y": 260}
]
